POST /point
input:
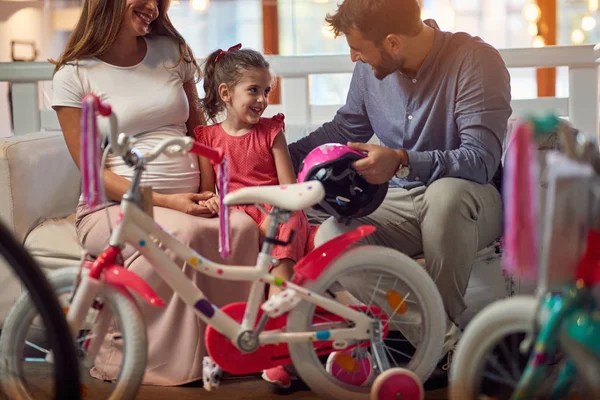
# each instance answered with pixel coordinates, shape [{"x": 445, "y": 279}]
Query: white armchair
[{"x": 40, "y": 186}]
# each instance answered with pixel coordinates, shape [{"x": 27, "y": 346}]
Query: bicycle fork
[{"x": 83, "y": 300}]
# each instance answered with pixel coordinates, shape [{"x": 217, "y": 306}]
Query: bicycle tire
[
  {"x": 493, "y": 323},
  {"x": 127, "y": 317},
  {"x": 368, "y": 259},
  {"x": 66, "y": 373}
]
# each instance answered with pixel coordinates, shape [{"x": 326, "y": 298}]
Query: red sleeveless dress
[{"x": 251, "y": 163}]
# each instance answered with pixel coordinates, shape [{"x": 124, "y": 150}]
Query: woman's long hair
[{"x": 100, "y": 23}]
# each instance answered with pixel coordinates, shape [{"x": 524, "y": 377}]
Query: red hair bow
[{"x": 229, "y": 50}]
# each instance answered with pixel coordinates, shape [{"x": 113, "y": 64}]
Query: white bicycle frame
[{"x": 140, "y": 230}]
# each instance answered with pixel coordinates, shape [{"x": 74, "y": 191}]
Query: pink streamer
[
  {"x": 224, "y": 227},
  {"x": 521, "y": 199},
  {"x": 92, "y": 187}
]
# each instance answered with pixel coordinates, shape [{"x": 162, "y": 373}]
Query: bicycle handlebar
[
  {"x": 124, "y": 147},
  {"x": 213, "y": 154},
  {"x": 104, "y": 109},
  {"x": 185, "y": 143}
]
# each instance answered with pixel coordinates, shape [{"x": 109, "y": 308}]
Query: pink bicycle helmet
[{"x": 347, "y": 194}]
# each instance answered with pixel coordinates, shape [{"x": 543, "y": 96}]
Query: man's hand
[
  {"x": 187, "y": 203},
  {"x": 381, "y": 163}
]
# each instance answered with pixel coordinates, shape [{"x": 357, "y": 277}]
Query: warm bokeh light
[
  {"x": 321, "y": 1},
  {"x": 588, "y": 23},
  {"x": 200, "y": 5},
  {"x": 593, "y": 5},
  {"x": 532, "y": 29},
  {"x": 577, "y": 36},
  {"x": 532, "y": 12},
  {"x": 538, "y": 41}
]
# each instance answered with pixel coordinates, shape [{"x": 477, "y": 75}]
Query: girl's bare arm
[{"x": 283, "y": 161}]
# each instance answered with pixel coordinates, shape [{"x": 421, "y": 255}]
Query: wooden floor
[{"x": 248, "y": 388}]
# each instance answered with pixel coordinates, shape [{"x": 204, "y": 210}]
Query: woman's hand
[{"x": 189, "y": 203}]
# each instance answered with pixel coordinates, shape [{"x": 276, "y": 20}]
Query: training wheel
[{"x": 397, "y": 384}]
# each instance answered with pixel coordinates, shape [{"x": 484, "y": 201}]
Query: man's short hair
[{"x": 375, "y": 19}]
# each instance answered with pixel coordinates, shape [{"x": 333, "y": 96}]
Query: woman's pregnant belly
[{"x": 180, "y": 174}]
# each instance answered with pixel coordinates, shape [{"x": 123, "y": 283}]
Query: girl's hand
[
  {"x": 189, "y": 203},
  {"x": 213, "y": 205}
]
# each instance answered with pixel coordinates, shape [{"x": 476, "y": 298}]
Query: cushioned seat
[
  {"x": 54, "y": 243},
  {"x": 39, "y": 184}
]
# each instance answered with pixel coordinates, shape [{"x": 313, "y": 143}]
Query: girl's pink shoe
[{"x": 278, "y": 376}]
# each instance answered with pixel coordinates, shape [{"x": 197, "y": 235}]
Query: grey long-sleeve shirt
[{"x": 451, "y": 117}]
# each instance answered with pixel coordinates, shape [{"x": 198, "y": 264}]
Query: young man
[{"x": 439, "y": 103}]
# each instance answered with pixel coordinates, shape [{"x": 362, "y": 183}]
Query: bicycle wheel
[
  {"x": 401, "y": 289},
  {"x": 511, "y": 318},
  {"x": 492, "y": 355},
  {"x": 25, "y": 351},
  {"x": 66, "y": 373}
]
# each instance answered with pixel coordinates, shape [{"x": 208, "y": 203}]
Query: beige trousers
[{"x": 448, "y": 222}]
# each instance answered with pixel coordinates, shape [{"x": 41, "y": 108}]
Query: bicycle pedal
[
  {"x": 211, "y": 374},
  {"x": 280, "y": 303}
]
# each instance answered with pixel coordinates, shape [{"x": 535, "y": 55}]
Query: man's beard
[{"x": 387, "y": 66}]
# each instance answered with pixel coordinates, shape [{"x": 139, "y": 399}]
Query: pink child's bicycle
[{"x": 331, "y": 321}]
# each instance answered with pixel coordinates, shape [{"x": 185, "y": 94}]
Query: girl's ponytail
[{"x": 212, "y": 103}]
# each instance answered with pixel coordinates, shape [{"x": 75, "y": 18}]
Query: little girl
[{"x": 238, "y": 81}]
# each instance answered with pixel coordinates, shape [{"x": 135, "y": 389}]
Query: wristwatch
[{"x": 403, "y": 170}]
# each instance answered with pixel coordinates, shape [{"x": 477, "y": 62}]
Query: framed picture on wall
[{"x": 23, "y": 50}]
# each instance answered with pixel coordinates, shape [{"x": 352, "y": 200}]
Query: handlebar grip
[
  {"x": 213, "y": 154},
  {"x": 104, "y": 109}
]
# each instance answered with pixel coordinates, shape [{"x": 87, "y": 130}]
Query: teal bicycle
[{"x": 546, "y": 346}]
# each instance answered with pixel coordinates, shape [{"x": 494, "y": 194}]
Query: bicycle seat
[{"x": 294, "y": 197}]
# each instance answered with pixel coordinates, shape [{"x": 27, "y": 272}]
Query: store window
[
  {"x": 208, "y": 25},
  {"x": 499, "y": 22}
]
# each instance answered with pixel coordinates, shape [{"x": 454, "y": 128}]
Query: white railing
[{"x": 581, "y": 106}]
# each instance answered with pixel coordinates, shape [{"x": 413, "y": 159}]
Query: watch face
[{"x": 403, "y": 171}]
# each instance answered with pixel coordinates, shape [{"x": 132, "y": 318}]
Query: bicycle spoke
[
  {"x": 394, "y": 313},
  {"x": 387, "y": 350},
  {"x": 500, "y": 369},
  {"x": 374, "y": 291},
  {"x": 35, "y": 346},
  {"x": 84, "y": 338},
  {"x": 516, "y": 373},
  {"x": 501, "y": 380},
  {"x": 406, "y": 289},
  {"x": 399, "y": 352}
]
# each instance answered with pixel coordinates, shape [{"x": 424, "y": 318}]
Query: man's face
[{"x": 365, "y": 50}]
